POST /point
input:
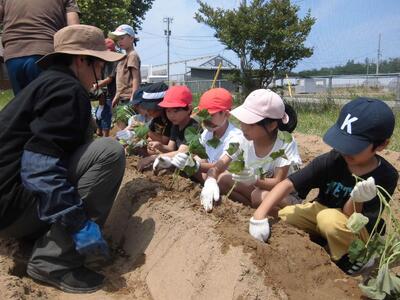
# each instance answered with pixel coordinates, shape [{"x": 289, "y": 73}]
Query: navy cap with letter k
[{"x": 361, "y": 122}]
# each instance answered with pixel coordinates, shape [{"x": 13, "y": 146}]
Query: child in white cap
[
  {"x": 261, "y": 116},
  {"x": 128, "y": 77}
]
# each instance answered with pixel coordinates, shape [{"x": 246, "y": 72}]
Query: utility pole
[
  {"x": 379, "y": 55},
  {"x": 242, "y": 58},
  {"x": 167, "y": 32}
]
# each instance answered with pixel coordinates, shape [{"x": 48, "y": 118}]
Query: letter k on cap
[{"x": 347, "y": 123}]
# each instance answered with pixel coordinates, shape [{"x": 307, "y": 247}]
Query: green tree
[
  {"x": 107, "y": 15},
  {"x": 268, "y": 36}
]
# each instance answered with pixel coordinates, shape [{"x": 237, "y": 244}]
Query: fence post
[
  {"x": 397, "y": 102},
  {"x": 330, "y": 98}
]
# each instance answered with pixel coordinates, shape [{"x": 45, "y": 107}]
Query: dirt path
[{"x": 167, "y": 247}]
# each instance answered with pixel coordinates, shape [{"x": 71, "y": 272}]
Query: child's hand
[
  {"x": 247, "y": 177},
  {"x": 115, "y": 102},
  {"x": 162, "y": 162},
  {"x": 154, "y": 145},
  {"x": 364, "y": 191},
  {"x": 259, "y": 229},
  {"x": 181, "y": 160},
  {"x": 209, "y": 193}
]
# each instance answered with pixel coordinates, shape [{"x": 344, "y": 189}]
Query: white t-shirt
[
  {"x": 231, "y": 135},
  {"x": 253, "y": 161}
]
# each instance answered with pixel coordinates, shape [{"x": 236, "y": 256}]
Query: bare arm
[
  {"x": 104, "y": 82},
  {"x": 169, "y": 148},
  {"x": 277, "y": 194},
  {"x": 348, "y": 208},
  {"x": 135, "y": 80},
  {"x": 220, "y": 166},
  {"x": 154, "y": 136},
  {"x": 205, "y": 166},
  {"x": 269, "y": 183},
  {"x": 72, "y": 18}
]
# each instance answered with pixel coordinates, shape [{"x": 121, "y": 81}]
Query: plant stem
[{"x": 231, "y": 190}]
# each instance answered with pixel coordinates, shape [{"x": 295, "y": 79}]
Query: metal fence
[
  {"x": 200, "y": 86},
  {"x": 339, "y": 88}
]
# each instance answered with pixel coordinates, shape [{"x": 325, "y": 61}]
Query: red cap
[
  {"x": 177, "y": 96},
  {"x": 110, "y": 44},
  {"x": 216, "y": 100}
]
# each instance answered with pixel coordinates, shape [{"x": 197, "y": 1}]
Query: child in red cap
[
  {"x": 177, "y": 103},
  {"x": 261, "y": 115},
  {"x": 217, "y": 102}
]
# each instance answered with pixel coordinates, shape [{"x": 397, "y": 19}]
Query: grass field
[
  {"x": 317, "y": 120},
  {"x": 312, "y": 119}
]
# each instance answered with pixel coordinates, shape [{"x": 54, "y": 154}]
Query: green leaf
[
  {"x": 214, "y": 142},
  {"x": 190, "y": 170},
  {"x": 357, "y": 250},
  {"x": 376, "y": 246},
  {"x": 371, "y": 291},
  {"x": 204, "y": 115},
  {"x": 236, "y": 167},
  {"x": 285, "y": 136},
  {"x": 277, "y": 154},
  {"x": 191, "y": 134},
  {"x": 123, "y": 113},
  {"x": 356, "y": 222},
  {"x": 233, "y": 148},
  {"x": 196, "y": 148},
  {"x": 141, "y": 131}
]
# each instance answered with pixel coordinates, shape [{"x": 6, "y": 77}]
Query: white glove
[
  {"x": 209, "y": 193},
  {"x": 247, "y": 177},
  {"x": 99, "y": 111},
  {"x": 259, "y": 229},
  {"x": 162, "y": 162},
  {"x": 125, "y": 135},
  {"x": 181, "y": 160},
  {"x": 364, "y": 191}
]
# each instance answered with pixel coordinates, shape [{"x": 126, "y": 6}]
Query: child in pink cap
[{"x": 261, "y": 116}]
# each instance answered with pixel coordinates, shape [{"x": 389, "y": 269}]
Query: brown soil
[{"x": 166, "y": 247}]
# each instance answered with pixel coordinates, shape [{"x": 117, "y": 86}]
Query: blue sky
[{"x": 344, "y": 29}]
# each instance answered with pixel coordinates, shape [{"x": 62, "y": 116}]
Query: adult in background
[
  {"x": 28, "y": 30},
  {"x": 57, "y": 186}
]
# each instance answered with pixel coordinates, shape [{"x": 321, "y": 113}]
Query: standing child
[
  {"x": 103, "y": 111},
  {"x": 128, "y": 70},
  {"x": 261, "y": 116},
  {"x": 363, "y": 128}
]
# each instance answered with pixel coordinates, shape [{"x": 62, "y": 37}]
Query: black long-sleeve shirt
[{"x": 50, "y": 117}]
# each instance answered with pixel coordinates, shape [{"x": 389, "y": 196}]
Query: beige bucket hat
[{"x": 79, "y": 40}]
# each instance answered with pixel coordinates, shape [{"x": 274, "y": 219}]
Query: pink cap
[{"x": 261, "y": 104}]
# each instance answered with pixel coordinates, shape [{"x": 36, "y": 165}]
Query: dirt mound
[{"x": 166, "y": 247}]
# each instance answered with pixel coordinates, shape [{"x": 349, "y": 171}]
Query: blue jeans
[
  {"x": 22, "y": 70},
  {"x": 106, "y": 115}
]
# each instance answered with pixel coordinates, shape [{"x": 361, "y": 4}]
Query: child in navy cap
[{"x": 363, "y": 128}]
